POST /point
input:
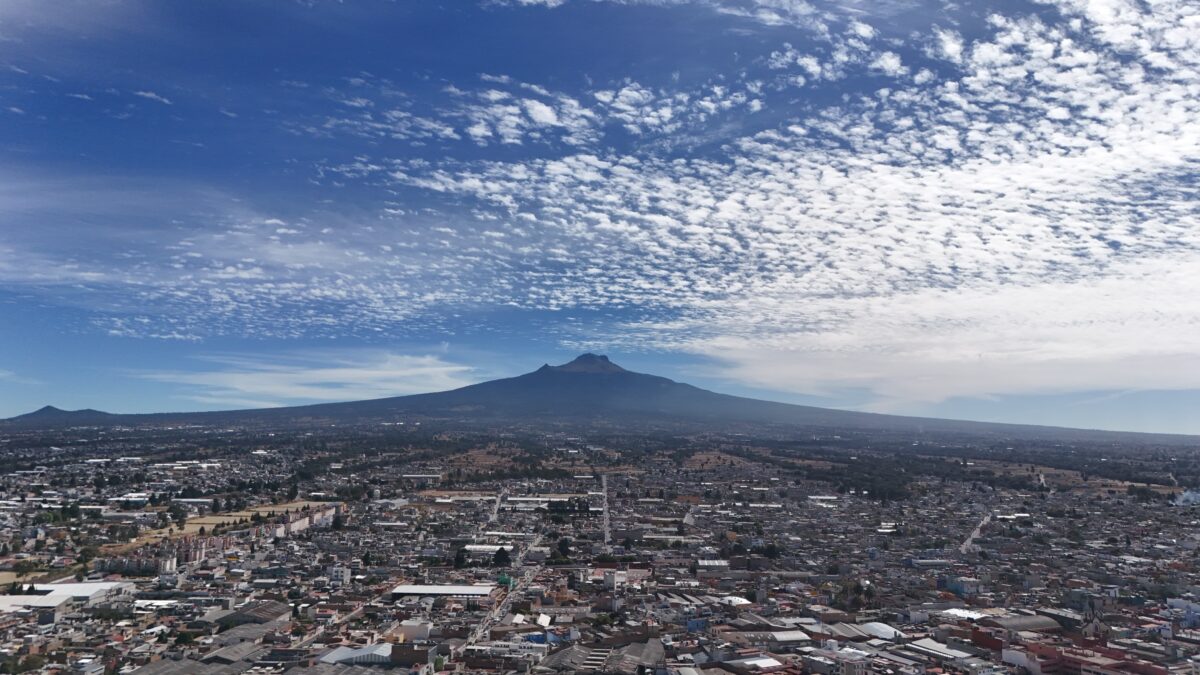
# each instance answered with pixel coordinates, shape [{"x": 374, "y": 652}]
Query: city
[
  {"x": 316, "y": 552},
  {"x": 600, "y": 337}
]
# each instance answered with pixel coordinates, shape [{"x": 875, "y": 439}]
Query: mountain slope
[{"x": 592, "y": 389}]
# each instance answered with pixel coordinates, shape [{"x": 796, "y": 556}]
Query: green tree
[
  {"x": 23, "y": 567},
  {"x": 502, "y": 558}
]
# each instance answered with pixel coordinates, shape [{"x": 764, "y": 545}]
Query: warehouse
[{"x": 444, "y": 590}]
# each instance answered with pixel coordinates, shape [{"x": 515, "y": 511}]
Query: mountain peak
[
  {"x": 50, "y": 412},
  {"x": 590, "y": 363}
]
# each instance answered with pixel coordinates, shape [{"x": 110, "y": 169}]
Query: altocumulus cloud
[
  {"x": 1023, "y": 220},
  {"x": 1008, "y": 206}
]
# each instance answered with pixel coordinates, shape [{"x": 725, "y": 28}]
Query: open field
[
  {"x": 483, "y": 459},
  {"x": 714, "y": 459},
  {"x": 1064, "y": 479}
]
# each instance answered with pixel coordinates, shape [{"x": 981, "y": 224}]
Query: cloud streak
[
  {"x": 151, "y": 96},
  {"x": 13, "y": 378},
  {"x": 252, "y": 381}
]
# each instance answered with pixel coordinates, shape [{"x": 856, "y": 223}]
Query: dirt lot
[
  {"x": 193, "y": 525},
  {"x": 483, "y": 459},
  {"x": 714, "y": 459}
]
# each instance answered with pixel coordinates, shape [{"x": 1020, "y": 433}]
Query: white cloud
[
  {"x": 151, "y": 96},
  {"x": 890, "y": 64},
  {"x": 1133, "y": 329},
  {"x": 862, "y": 30},
  {"x": 1003, "y": 231},
  {"x": 479, "y": 131},
  {"x": 504, "y": 112},
  {"x": 540, "y": 113},
  {"x": 13, "y": 378},
  {"x": 949, "y": 45}
]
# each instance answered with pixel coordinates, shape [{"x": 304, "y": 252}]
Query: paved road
[
  {"x": 970, "y": 541},
  {"x": 607, "y": 522},
  {"x": 496, "y": 508},
  {"x": 501, "y": 610}
]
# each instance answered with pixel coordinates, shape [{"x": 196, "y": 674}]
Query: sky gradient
[{"x": 959, "y": 209}]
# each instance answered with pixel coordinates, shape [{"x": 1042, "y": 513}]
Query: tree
[
  {"x": 87, "y": 554},
  {"x": 23, "y": 567},
  {"x": 564, "y": 547},
  {"x": 460, "y": 559},
  {"x": 502, "y": 558}
]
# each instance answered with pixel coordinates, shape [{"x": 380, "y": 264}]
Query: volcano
[{"x": 593, "y": 390}]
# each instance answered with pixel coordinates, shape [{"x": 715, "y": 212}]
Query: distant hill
[
  {"x": 50, "y": 416},
  {"x": 592, "y": 389}
]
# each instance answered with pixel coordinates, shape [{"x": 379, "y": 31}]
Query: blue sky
[{"x": 963, "y": 209}]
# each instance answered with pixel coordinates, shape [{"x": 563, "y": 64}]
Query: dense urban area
[{"x": 397, "y": 547}]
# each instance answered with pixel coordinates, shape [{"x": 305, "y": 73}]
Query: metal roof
[{"x": 443, "y": 589}]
